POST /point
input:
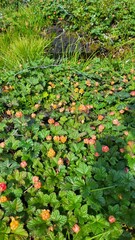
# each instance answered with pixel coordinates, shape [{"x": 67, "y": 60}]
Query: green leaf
[
  {"x": 57, "y": 130},
  {"x": 4, "y": 236},
  {"x": 18, "y": 205},
  {"x": 37, "y": 226},
  {"x": 3, "y": 228},
  {"x": 83, "y": 169},
  {"x": 56, "y": 217},
  {"x": 17, "y": 192},
  {"x": 13, "y": 207},
  {"x": 45, "y": 94},
  {"x": 20, "y": 231},
  {"x": 42, "y": 134},
  {"x": 63, "y": 120}
]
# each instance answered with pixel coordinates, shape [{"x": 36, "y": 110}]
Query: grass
[{"x": 22, "y": 50}]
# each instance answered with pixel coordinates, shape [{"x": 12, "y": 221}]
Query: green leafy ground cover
[{"x": 67, "y": 128}]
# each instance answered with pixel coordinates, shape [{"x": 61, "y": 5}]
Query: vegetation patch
[{"x": 67, "y": 129}]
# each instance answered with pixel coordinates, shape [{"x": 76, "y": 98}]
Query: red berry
[
  {"x": 37, "y": 185},
  {"x": 105, "y": 149},
  {"x": 23, "y": 164},
  {"x": 111, "y": 219},
  {"x": 132, "y": 93},
  {"x": 76, "y": 228},
  {"x": 35, "y": 179},
  {"x": 3, "y": 187},
  {"x": 96, "y": 154}
]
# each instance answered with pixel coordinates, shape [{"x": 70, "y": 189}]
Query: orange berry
[
  {"x": 86, "y": 140},
  {"x": 51, "y": 153},
  {"x": 76, "y": 84},
  {"x": 122, "y": 150},
  {"x": 96, "y": 84},
  {"x": 121, "y": 111},
  {"x": 45, "y": 214},
  {"x": 63, "y": 139},
  {"x": 37, "y": 106},
  {"x": 14, "y": 224},
  {"x": 19, "y": 114},
  {"x": 112, "y": 113},
  {"x": 54, "y": 106},
  {"x": 82, "y": 108},
  {"x": 60, "y": 161},
  {"x": 112, "y": 82},
  {"x": 101, "y": 128},
  {"x": 91, "y": 141},
  {"x": 3, "y": 199},
  {"x": 35, "y": 179},
  {"x": 8, "y": 112},
  {"x": 81, "y": 91},
  {"x": 100, "y": 117},
  {"x": 72, "y": 109},
  {"x": 56, "y": 138},
  {"x": 33, "y": 115},
  {"x": 37, "y": 185},
  {"x": 116, "y": 122},
  {"x": 51, "y": 121},
  {"x": 88, "y": 83},
  {"x": 120, "y": 88},
  {"x": 2, "y": 144},
  {"x": 76, "y": 90},
  {"x": 76, "y": 228},
  {"x": 89, "y": 106},
  {"x": 126, "y": 133},
  {"x": 49, "y": 138},
  {"x": 96, "y": 154},
  {"x": 61, "y": 109}
]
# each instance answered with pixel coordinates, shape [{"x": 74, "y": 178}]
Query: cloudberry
[
  {"x": 132, "y": 93},
  {"x": 3, "y": 199},
  {"x": 56, "y": 138},
  {"x": 37, "y": 185},
  {"x": 63, "y": 139},
  {"x": 112, "y": 219},
  {"x": 35, "y": 179},
  {"x": 19, "y": 114},
  {"x": 2, "y": 144},
  {"x": 105, "y": 149},
  {"x": 45, "y": 214},
  {"x": 100, "y": 117},
  {"x": 14, "y": 224},
  {"x": 51, "y": 121},
  {"x": 3, "y": 187},
  {"x": 23, "y": 164},
  {"x": 51, "y": 153},
  {"x": 76, "y": 228}
]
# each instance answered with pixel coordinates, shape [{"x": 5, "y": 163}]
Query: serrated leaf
[
  {"x": 17, "y": 192},
  {"x": 4, "y": 236},
  {"x": 56, "y": 217},
  {"x": 83, "y": 169},
  {"x": 42, "y": 134},
  {"x": 18, "y": 205},
  {"x": 20, "y": 231}
]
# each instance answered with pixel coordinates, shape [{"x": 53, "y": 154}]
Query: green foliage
[{"x": 67, "y": 149}]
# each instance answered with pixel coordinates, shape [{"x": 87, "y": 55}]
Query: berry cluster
[{"x": 45, "y": 214}]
